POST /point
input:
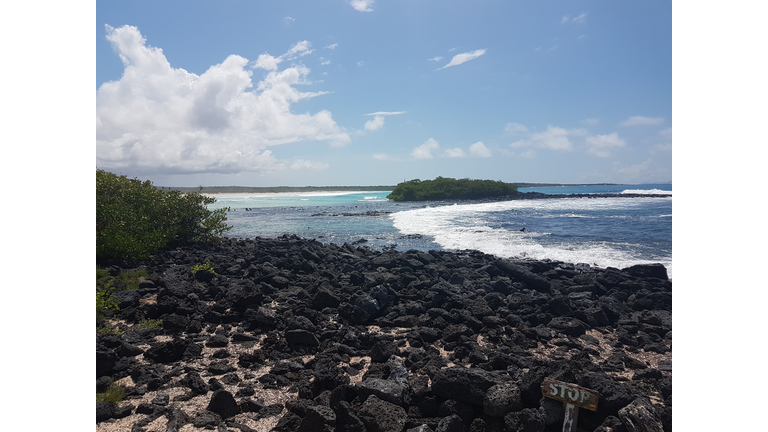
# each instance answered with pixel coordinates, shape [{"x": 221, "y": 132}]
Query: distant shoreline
[{"x": 283, "y": 189}]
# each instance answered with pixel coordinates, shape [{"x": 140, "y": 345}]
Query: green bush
[
  {"x": 105, "y": 300},
  {"x": 135, "y": 219},
  {"x": 149, "y": 323},
  {"x": 203, "y": 267},
  {"x": 114, "y": 394},
  {"x": 447, "y": 188}
]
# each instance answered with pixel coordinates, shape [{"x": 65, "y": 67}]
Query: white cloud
[
  {"x": 360, "y": 63},
  {"x": 327, "y": 62},
  {"x": 290, "y": 19},
  {"x": 378, "y": 121},
  {"x": 598, "y": 145},
  {"x": 299, "y": 50},
  {"x": 479, "y": 150},
  {"x": 267, "y": 62},
  {"x": 270, "y": 63},
  {"x": 435, "y": 59},
  {"x": 331, "y": 46},
  {"x": 512, "y": 128},
  {"x": 554, "y": 138},
  {"x": 463, "y": 58},
  {"x": 565, "y": 19},
  {"x": 160, "y": 119},
  {"x": 374, "y": 124},
  {"x": 580, "y": 19},
  {"x": 387, "y": 113},
  {"x": 381, "y": 156},
  {"x": 424, "y": 151},
  {"x": 455, "y": 153},
  {"x": 362, "y": 5},
  {"x": 642, "y": 121},
  {"x": 591, "y": 121}
]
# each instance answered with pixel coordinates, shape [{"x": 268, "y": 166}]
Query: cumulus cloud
[
  {"x": 378, "y": 119},
  {"x": 513, "y": 128},
  {"x": 362, "y": 5},
  {"x": 270, "y": 63},
  {"x": 598, "y": 145},
  {"x": 435, "y": 59},
  {"x": 424, "y": 151},
  {"x": 554, "y": 138},
  {"x": 374, "y": 124},
  {"x": 642, "y": 121},
  {"x": 331, "y": 46},
  {"x": 463, "y": 58},
  {"x": 479, "y": 150},
  {"x": 455, "y": 153},
  {"x": 160, "y": 119}
]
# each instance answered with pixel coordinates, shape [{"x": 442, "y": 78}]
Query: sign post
[{"x": 573, "y": 396}]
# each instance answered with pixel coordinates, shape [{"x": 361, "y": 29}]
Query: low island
[{"x": 442, "y": 188}]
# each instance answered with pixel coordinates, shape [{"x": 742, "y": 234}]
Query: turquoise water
[{"x": 615, "y": 232}]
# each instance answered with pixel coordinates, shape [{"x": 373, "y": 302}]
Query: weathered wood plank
[{"x": 570, "y": 394}]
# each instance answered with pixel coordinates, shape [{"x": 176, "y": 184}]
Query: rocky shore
[{"x": 295, "y": 335}]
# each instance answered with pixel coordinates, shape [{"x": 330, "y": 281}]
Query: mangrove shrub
[
  {"x": 443, "y": 188},
  {"x": 135, "y": 219}
]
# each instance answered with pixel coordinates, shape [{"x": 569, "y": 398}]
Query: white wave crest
[{"x": 647, "y": 191}]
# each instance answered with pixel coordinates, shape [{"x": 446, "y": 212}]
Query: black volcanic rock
[{"x": 312, "y": 308}]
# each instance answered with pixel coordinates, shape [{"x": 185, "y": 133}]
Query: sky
[{"x": 338, "y": 92}]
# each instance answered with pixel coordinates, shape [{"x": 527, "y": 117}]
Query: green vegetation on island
[
  {"x": 443, "y": 188},
  {"x": 135, "y": 219}
]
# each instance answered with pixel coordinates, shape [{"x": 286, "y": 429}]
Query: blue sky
[{"x": 372, "y": 92}]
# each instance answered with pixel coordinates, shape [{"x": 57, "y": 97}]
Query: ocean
[{"x": 602, "y": 232}]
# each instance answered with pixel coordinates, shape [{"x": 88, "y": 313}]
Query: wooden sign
[
  {"x": 570, "y": 394},
  {"x": 573, "y": 396}
]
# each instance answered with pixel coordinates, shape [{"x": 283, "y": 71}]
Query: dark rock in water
[
  {"x": 465, "y": 384},
  {"x": 648, "y": 270},
  {"x": 223, "y": 404},
  {"x": 382, "y": 416}
]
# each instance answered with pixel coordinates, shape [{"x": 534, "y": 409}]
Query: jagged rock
[
  {"x": 224, "y": 404},
  {"x": 465, "y": 384},
  {"x": 381, "y": 416},
  {"x": 640, "y": 416},
  {"x": 502, "y": 399}
]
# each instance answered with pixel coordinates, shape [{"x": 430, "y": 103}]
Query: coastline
[{"x": 296, "y": 331}]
